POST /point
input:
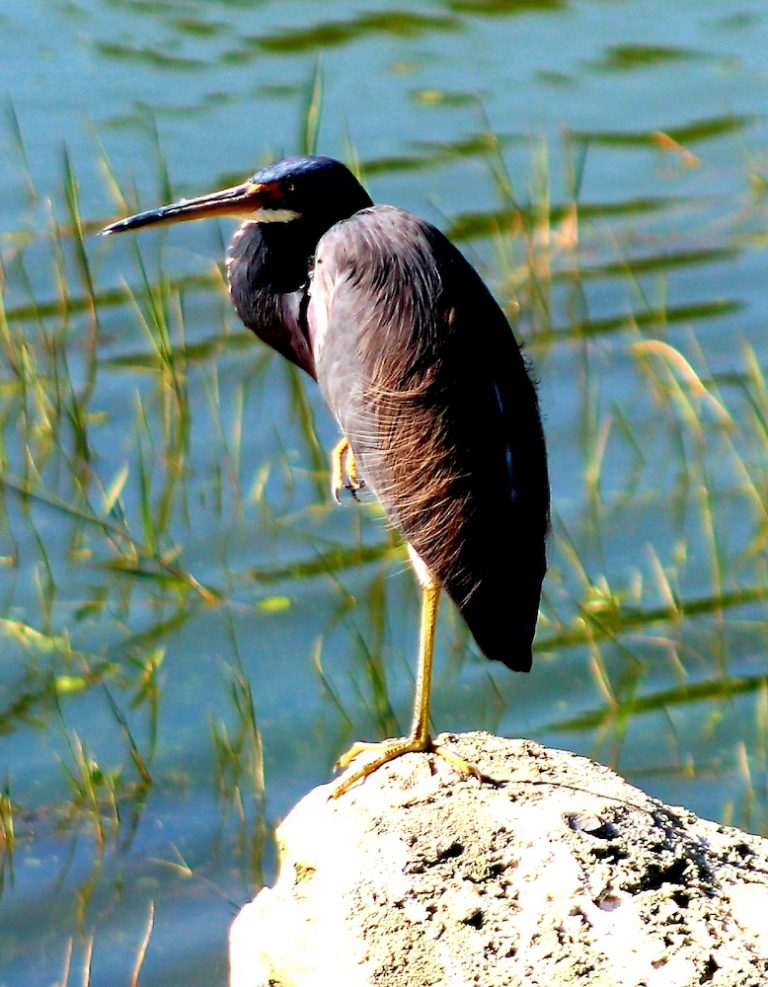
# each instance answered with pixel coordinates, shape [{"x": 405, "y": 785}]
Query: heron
[{"x": 437, "y": 408}]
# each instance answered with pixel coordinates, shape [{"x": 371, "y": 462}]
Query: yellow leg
[
  {"x": 418, "y": 738},
  {"x": 344, "y": 472}
]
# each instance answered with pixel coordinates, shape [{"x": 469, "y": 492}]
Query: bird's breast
[{"x": 321, "y": 292}]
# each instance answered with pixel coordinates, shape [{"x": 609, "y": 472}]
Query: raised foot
[
  {"x": 344, "y": 472},
  {"x": 388, "y": 750}
]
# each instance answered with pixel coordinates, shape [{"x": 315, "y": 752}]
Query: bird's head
[{"x": 318, "y": 190}]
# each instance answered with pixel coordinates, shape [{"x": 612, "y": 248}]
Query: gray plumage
[{"x": 419, "y": 365}]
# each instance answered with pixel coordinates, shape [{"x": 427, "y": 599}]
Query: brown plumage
[{"x": 419, "y": 366}]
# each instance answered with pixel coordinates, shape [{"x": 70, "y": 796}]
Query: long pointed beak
[{"x": 241, "y": 201}]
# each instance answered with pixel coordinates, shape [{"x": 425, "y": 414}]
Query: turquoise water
[{"x": 650, "y": 118}]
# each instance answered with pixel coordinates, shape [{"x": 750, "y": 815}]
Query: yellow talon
[
  {"x": 337, "y": 468},
  {"x": 344, "y": 472},
  {"x": 388, "y": 751},
  {"x": 418, "y": 739}
]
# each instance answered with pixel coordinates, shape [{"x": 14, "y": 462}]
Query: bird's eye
[{"x": 290, "y": 187}]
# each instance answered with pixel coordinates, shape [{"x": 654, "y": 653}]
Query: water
[{"x": 645, "y": 297}]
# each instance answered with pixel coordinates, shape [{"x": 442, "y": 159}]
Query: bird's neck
[{"x": 268, "y": 268}]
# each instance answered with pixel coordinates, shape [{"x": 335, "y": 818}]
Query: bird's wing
[{"x": 420, "y": 367}]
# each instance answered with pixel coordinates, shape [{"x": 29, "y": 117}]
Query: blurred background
[{"x": 191, "y": 629}]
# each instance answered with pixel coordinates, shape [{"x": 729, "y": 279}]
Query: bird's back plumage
[{"x": 451, "y": 441}]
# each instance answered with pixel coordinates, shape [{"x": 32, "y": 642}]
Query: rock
[{"x": 552, "y": 871}]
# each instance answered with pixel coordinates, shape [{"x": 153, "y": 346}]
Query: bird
[{"x": 434, "y": 397}]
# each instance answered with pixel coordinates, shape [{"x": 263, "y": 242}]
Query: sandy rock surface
[{"x": 552, "y": 871}]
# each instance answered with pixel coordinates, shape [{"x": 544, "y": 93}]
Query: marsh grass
[
  {"x": 166, "y": 522},
  {"x": 86, "y": 963}
]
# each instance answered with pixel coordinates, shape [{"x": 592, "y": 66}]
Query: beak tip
[
  {"x": 115, "y": 227},
  {"x": 120, "y": 225}
]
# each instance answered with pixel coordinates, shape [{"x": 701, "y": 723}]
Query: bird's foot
[
  {"x": 344, "y": 472},
  {"x": 388, "y": 750}
]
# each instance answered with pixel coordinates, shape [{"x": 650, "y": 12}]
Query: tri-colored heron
[{"x": 418, "y": 363}]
